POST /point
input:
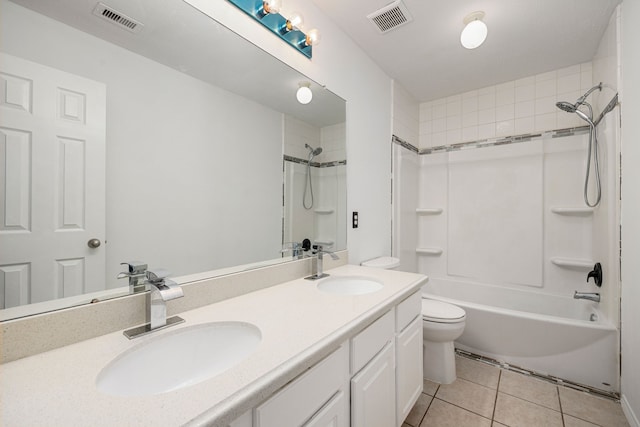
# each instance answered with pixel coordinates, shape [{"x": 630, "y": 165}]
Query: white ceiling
[{"x": 526, "y": 37}]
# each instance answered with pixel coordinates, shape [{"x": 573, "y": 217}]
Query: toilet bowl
[
  {"x": 442, "y": 324},
  {"x": 384, "y": 262}
]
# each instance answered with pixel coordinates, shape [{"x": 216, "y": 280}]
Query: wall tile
[
  {"x": 524, "y": 109},
  {"x": 487, "y": 116},
  {"x": 505, "y": 112},
  {"x": 521, "y": 106},
  {"x": 470, "y": 104},
  {"x": 470, "y": 119},
  {"x": 525, "y": 93}
]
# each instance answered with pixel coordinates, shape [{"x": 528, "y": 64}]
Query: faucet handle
[
  {"x": 133, "y": 268},
  {"x": 158, "y": 275}
]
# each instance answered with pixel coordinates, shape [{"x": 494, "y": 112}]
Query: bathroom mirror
[{"x": 170, "y": 140}]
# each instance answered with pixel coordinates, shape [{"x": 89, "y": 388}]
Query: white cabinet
[
  {"x": 373, "y": 380},
  {"x": 334, "y": 414},
  {"x": 309, "y": 394},
  {"x": 373, "y": 387},
  {"x": 373, "y": 392},
  {"x": 408, "y": 369}
]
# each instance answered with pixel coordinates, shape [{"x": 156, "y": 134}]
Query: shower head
[
  {"x": 610, "y": 106},
  {"x": 312, "y": 151},
  {"x": 567, "y": 106}
]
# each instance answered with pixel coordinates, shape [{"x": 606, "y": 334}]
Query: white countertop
[{"x": 299, "y": 324}]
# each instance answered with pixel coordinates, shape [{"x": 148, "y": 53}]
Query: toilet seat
[{"x": 441, "y": 312}]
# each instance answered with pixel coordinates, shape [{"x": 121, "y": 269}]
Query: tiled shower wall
[
  {"x": 517, "y": 107},
  {"x": 326, "y": 221}
]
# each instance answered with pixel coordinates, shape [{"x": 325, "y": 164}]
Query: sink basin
[
  {"x": 179, "y": 359},
  {"x": 349, "y": 285}
]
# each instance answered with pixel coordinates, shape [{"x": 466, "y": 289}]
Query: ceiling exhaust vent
[
  {"x": 390, "y": 17},
  {"x": 120, "y": 19}
]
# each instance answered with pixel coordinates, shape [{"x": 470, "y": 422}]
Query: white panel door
[{"x": 52, "y": 183}]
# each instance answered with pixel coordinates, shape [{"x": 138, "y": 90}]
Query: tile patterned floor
[{"x": 487, "y": 396}]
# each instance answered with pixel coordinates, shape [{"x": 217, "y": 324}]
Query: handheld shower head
[
  {"x": 313, "y": 151},
  {"x": 566, "y": 106}
]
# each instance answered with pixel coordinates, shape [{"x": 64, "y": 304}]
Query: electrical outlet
[{"x": 354, "y": 219}]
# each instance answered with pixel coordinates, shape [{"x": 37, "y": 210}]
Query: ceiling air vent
[
  {"x": 120, "y": 19},
  {"x": 390, "y": 17}
]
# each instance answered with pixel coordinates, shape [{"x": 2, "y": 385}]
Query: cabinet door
[
  {"x": 334, "y": 414},
  {"x": 373, "y": 392},
  {"x": 408, "y": 368}
]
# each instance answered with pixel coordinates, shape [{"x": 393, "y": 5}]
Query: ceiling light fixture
[
  {"x": 475, "y": 30},
  {"x": 304, "y": 94}
]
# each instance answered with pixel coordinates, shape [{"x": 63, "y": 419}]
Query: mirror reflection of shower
[
  {"x": 584, "y": 110},
  {"x": 307, "y": 180}
]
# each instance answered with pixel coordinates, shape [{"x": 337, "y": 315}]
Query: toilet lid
[
  {"x": 438, "y": 311},
  {"x": 386, "y": 262}
]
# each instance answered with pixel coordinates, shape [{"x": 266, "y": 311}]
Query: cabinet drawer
[
  {"x": 299, "y": 400},
  {"x": 407, "y": 310},
  {"x": 369, "y": 342}
]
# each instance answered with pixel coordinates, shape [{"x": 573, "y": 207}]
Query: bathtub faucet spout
[{"x": 587, "y": 295}]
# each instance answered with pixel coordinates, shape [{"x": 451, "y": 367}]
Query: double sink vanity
[{"x": 345, "y": 349}]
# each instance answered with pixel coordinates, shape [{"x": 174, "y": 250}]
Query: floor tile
[
  {"x": 531, "y": 389},
  {"x": 570, "y": 421},
  {"x": 468, "y": 395},
  {"x": 406, "y": 425},
  {"x": 477, "y": 372},
  {"x": 443, "y": 414},
  {"x": 495, "y": 424},
  {"x": 591, "y": 408},
  {"x": 429, "y": 387},
  {"x": 418, "y": 410},
  {"x": 516, "y": 412}
]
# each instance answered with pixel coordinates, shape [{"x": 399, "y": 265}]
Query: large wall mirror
[{"x": 169, "y": 140}]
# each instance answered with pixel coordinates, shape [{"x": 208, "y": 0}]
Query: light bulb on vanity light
[
  {"x": 312, "y": 37},
  {"x": 295, "y": 22},
  {"x": 304, "y": 94},
  {"x": 271, "y": 6},
  {"x": 475, "y": 30}
]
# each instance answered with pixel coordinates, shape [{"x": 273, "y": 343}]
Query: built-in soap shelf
[
  {"x": 429, "y": 251},
  {"x": 324, "y": 211},
  {"x": 429, "y": 211},
  {"x": 572, "y": 262},
  {"x": 572, "y": 211}
]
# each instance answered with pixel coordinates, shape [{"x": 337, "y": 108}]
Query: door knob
[{"x": 93, "y": 243}]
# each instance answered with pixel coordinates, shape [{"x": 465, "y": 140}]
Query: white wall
[
  {"x": 150, "y": 106},
  {"x": 340, "y": 65},
  {"x": 630, "y": 212},
  {"x": 406, "y": 118}
]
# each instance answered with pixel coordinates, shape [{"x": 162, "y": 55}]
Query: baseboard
[{"x": 628, "y": 412}]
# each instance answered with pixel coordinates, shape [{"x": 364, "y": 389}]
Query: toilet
[{"x": 442, "y": 324}]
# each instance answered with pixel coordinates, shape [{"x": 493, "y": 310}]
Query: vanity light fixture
[
  {"x": 267, "y": 12},
  {"x": 475, "y": 30},
  {"x": 304, "y": 94}
]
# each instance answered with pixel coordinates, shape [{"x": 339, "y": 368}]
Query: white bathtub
[{"x": 548, "y": 334}]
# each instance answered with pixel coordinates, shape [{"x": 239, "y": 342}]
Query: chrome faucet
[
  {"x": 162, "y": 290},
  {"x": 591, "y": 296},
  {"x": 297, "y": 251},
  {"x": 137, "y": 274},
  {"x": 319, "y": 251}
]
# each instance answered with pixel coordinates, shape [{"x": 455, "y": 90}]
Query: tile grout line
[
  {"x": 429, "y": 406},
  {"x": 560, "y": 404},
  {"x": 495, "y": 401},
  {"x": 463, "y": 408}
]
